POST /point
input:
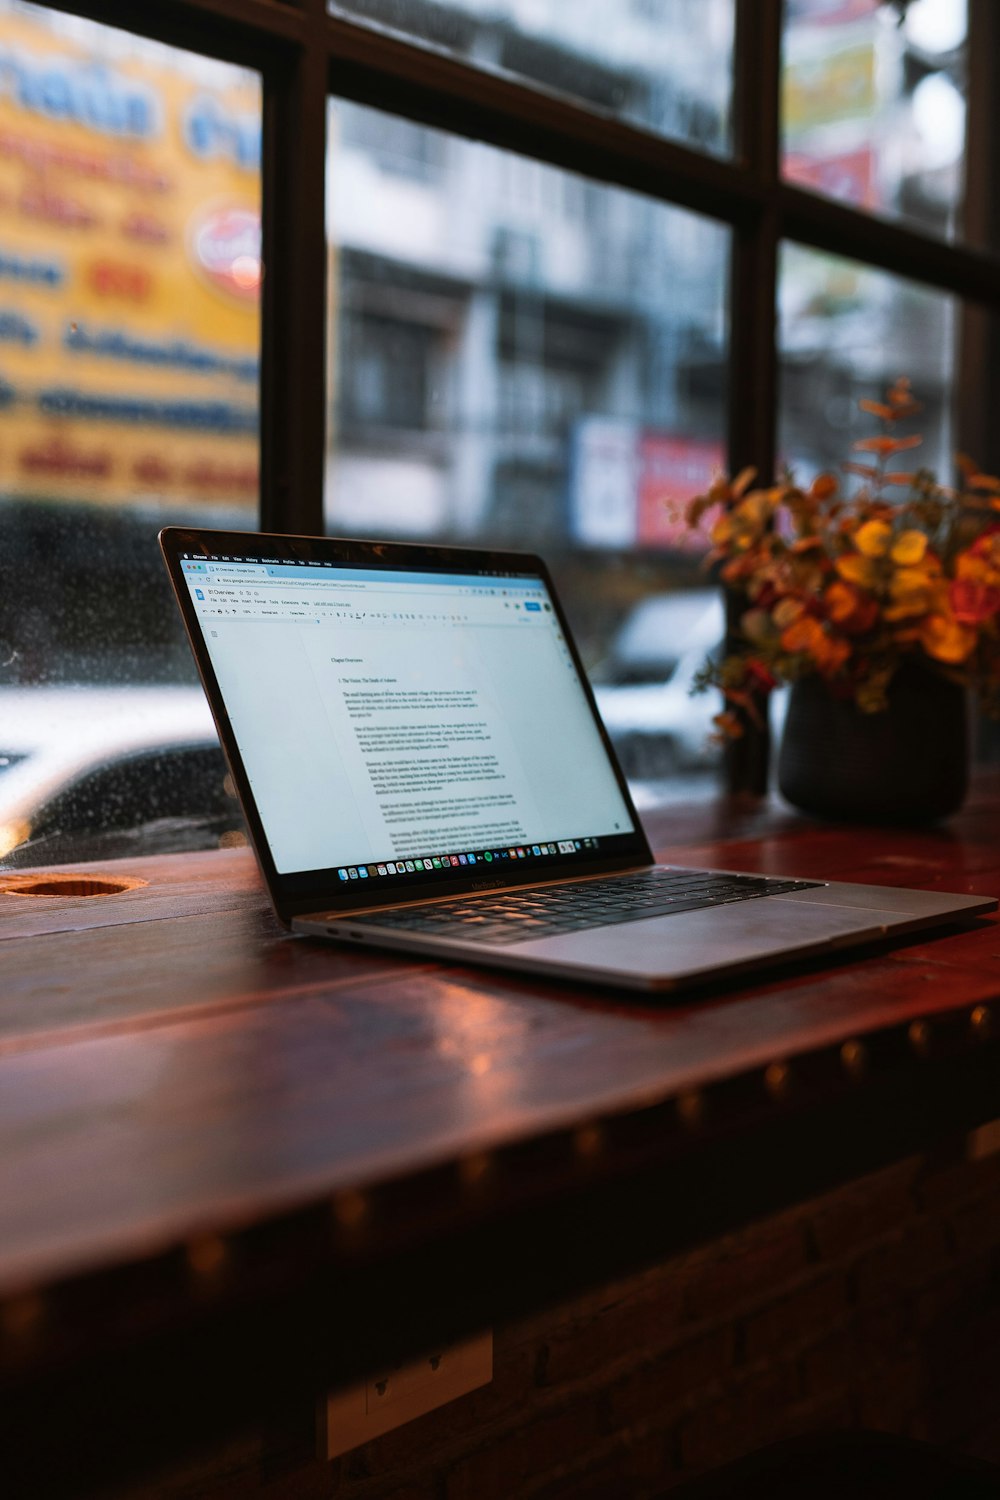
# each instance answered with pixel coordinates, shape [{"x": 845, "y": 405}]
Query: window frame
[{"x": 304, "y": 55}]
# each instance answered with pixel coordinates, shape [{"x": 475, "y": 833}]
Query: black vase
[{"x": 907, "y": 764}]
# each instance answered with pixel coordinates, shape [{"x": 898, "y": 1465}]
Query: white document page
[{"x": 386, "y": 718}]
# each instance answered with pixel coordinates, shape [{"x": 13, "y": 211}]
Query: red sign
[
  {"x": 830, "y": 12},
  {"x": 849, "y": 177},
  {"x": 113, "y": 278},
  {"x": 671, "y": 472},
  {"x": 226, "y": 249}
]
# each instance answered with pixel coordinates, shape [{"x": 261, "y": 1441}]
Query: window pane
[
  {"x": 129, "y": 334},
  {"x": 663, "y": 64},
  {"x": 525, "y": 358},
  {"x": 874, "y": 105},
  {"x": 847, "y": 332}
]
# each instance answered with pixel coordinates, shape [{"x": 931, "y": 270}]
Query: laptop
[{"x": 422, "y": 767}]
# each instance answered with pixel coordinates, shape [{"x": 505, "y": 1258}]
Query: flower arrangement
[{"x": 851, "y": 587}]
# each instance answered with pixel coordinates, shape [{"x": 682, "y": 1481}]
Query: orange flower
[
  {"x": 807, "y": 635},
  {"x": 883, "y": 446},
  {"x": 987, "y": 482},
  {"x": 982, "y": 560},
  {"x": 901, "y": 399},
  {"x": 741, "y": 569},
  {"x": 803, "y": 634},
  {"x": 850, "y": 610},
  {"x": 876, "y": 409},
  {"x": 943, "y": 638},
  {"x": 728, "y": 726},
  {"x": 973, "y": 567},
  {"x": 823, "y": 486},
  {"x": 899, "y": 476},
  {"x": 850, "y": 586}
]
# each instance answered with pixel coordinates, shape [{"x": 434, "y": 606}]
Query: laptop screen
[{"x": 400, "y": 722}]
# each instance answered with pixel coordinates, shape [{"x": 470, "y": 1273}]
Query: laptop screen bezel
[{"x": 297, "y": 892}]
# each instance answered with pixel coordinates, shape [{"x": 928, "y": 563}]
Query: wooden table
[{"x": 266, "y": 1163}]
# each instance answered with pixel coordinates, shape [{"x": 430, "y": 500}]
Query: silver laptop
[{"x": 422, "y": 767}]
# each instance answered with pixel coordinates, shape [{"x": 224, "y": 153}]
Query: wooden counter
[{"x": 268, "y": 1163}]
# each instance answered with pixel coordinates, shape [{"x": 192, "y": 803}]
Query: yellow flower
[
  {"x": 872, "y": 538},
  {"x": 847, "y": 586},
  {"x": 745, "y": 524},
  {"x": 722, "y": 531},
  {"x": 913, "y": 591},
  {"x": 743, "y": 481},
  {"x": 908, "y": 548},
  {"x": 757, "y": 508},
  {"x": 858, "y": 569},
  {"x": 907, "y": 607},
  {"x": 906, "y": 580}
]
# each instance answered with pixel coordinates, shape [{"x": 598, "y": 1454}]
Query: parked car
[
  {"x": 95, "y": 773},
  {"x": 643, "y": 686}
]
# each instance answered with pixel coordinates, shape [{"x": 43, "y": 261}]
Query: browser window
[{"x": 390, "y": 721}]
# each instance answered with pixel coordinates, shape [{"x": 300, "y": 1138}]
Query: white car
[
  {"x": 643, "y": 686},
  {"x": 89, "y": 773}
]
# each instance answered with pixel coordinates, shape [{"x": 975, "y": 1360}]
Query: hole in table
[{"x": 68, "y": 885}]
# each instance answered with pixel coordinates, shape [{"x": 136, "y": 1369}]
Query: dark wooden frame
[
  {"x": 303, "y": 54},
  {"x": 310, "y": 1299}
]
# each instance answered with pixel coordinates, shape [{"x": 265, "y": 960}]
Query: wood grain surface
[
  {"x": 218, "y": 1139},
  {"x": 171, "y": 1060}
]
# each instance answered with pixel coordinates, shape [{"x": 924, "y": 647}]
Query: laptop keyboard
[{"x": 518, "y": 916}]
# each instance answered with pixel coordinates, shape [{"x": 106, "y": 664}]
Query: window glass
[
  {"x": 525, "y": 358},
  {"x": 873, "y": 105},
  {"x": 663, "y": 64},
  {"x": 158, "y": 785},
  {"x": 846, "y": 333},
  {"x": 129, "y": 351}
]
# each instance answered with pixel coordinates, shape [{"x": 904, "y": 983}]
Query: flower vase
[{"x": 905, "y": 764}]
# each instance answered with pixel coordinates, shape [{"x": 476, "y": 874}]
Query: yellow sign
[
  {"x": 832, "y": 86},
  {"x": 129, "y": 268}
]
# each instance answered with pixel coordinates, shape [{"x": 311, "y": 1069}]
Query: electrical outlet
[{"x": 393, "y": 1396}]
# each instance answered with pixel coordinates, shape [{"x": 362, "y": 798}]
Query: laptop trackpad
[{"x": 690, "y": 944}]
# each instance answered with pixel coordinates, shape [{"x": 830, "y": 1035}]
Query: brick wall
[{"x": 875, "y": 1306}]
